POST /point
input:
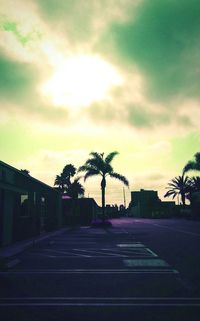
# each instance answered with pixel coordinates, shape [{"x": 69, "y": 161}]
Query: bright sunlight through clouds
[
  {"x": 81, "y": 80},
  {"x": 78, "y": 76}
]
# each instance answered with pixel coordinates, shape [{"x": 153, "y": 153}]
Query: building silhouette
[
  {"x": 28, "y": 207},
  {"x": 146, "y": 203}
]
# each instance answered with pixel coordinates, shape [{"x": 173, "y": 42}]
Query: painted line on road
[
  {"x": 76, "y": 271},
  {"x": 137, "y": 250},
  {"x": 150, "y": 251},
  {"x": 174, "y": 229},
  {"x": 92, "y": 251},
  {"x": 138, "y": 244},
  {"x": 132, "y": 252},
  {"x": 77, "y": 256},
  {"x": 34, "y": 298},
  {"x": 146, "y": 262},
  {"x": 80, "y": 304},
  {"x": 65, "y": 252}
]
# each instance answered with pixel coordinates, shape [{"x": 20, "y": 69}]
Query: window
[{"x": 24, "y": 211}]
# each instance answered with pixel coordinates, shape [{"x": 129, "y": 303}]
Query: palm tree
[
  {"x": 75, "y": 189},
  {"x": 97, "y": 164},
  {"x": 179, "y": 185},
  {"x": 69, "y": 171},
  {"x": 193, "y": 165},
  {"x": 60, "y": 182},
  {"x": 63, "y": 181},
  {"x": 195, "y": 184}
]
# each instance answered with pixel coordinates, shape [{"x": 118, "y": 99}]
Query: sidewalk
[{"x": 18, "y": 247}]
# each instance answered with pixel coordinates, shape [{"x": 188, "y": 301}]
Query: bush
[{"x": 100, "y": 223}]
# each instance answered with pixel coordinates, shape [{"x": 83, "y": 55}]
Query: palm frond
[
  {"x": 170, "y": 193},
  {"x": 193, "y": 165},
  {"x": 110, "y": 157},
  {"x": 90, "y": 174},
  {"x": 85, "y": 168},
  {"x": 69, "y": 170},
  {"x": 120, "y": 177}
]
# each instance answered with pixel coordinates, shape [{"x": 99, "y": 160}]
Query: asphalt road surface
[{"x": 140, "y": 269}]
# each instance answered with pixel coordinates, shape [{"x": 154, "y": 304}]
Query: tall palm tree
[
  {"x": 193, "y": 165},
  {"x": 97, "y": 164},
  {"x": 179, "y": 185}
]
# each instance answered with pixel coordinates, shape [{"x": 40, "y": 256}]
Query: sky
[{"x": 81, "y": 76}]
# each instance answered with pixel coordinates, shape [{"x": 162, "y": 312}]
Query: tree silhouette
[
  {"x": 179, "y": 185},
  {"x": 97, "y": 164},
  {"x": 63, "y": 181},
  {"x": 193, "y": 165},
  {"x": 60, "y": 181},
  {"x": 68, "y": 171},
  {"x": 194, "y": 184},
  {"x": 75, "y": 189},
  {"x": 25, "y": 171}
]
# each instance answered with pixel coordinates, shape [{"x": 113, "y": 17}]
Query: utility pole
[{"x": 124, "y": 198}]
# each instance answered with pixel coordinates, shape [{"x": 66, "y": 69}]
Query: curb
[{"x": 8, "y": 255}]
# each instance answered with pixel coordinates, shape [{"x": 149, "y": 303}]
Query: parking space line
[
  {"x": 95, "y": 271},
  {"x": 65, "y": 252},
  {"x": 146, "y": 262},
  {"x": 150, "y": 251},
  {"x": 100, "y": 301},
  {"x": 109, "y": 254},
  {"x": 137, "y": 244}
]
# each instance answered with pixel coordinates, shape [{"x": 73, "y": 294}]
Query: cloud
[
  {"x": 20, "y": 98},
  {"x": 161, "y": 39},
  {"x": 13, "y": 27},
  {"x": 83, "y": 20},
  {"x": 16, "y": 79}
]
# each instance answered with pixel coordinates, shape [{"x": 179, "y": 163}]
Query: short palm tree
[
  {"x": 195, "y": 184},
  {"x": 60, "y": 181},
  {"x": 75, "y": 189},
  {"x": 193, "y": 165},
  {"x": 63, "y": 181},
  {"x": 69, "y": 171},
  {"x": 97, "y": 164},
  {"x": 179, "y": 185}
]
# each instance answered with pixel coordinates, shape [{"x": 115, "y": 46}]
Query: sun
[{"x": 81, "y": 80}]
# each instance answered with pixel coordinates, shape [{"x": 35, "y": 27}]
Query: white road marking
[
  {"x": 130, "y": 245},
  {"x": 100, "y": 304},
  {"x": 65, "y": 252},
  {"x": 150, "y": 251},
  {"x": 146, "y": 302},
  {"x": 92, "y": 251},
  {"x": 94, "y": 271},
  {"x": 174, "y": 229},
  {"x": 101, "y": 298},
  {"x": 145, "y": 262},
  {"x": 136, "y": 252}
]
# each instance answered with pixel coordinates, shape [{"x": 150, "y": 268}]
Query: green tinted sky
[{"x": 81, "y": 76}]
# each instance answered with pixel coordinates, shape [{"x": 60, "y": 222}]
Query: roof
[{"x": 27, "y": 176}]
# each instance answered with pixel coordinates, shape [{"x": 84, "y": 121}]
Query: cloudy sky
[{"x": 100, "y": 75}]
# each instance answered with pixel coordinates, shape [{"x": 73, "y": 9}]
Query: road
[{"x": 140, "y": 269}]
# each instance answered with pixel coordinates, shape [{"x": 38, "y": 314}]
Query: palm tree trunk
[
  {"x": 183, "y": 199},
  {"x": 103, "y": 189}
]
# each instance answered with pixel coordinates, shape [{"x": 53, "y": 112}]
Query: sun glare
[{"x": 80, "y": 80}]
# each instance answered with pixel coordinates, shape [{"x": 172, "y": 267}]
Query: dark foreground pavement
[{"x": 138, "y": 270}]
